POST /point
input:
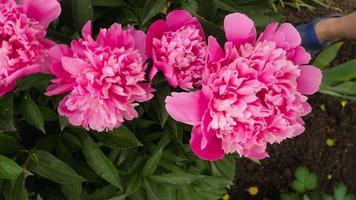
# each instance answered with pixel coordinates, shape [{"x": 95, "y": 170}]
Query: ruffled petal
[{"x": 74, "y": 66}]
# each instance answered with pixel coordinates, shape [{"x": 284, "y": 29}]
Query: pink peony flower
[
  {"x": 104, "y": 77},
  {"x": 23, "y": 46},
  {"x": 178, "y": 49},
  {"x": 253, "y": 91}
]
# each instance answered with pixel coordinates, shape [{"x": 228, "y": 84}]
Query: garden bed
[{"x": 329, "y": 120}]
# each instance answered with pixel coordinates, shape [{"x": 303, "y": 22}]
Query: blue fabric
[{"x": 309, "y": 38}]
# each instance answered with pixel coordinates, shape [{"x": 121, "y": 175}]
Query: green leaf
[
  {"x": 98, "y": 161},
  {"x": 31, "y": 112},
  {"x": 63, "y": 122},
  {"x": 227, "y": 5},
  {"x": 207, "y": 9},
  {"x": 134, "y": 182},
  {"x": 48, "y": 114},
  {"x": 176, "y": 178},
  {"x": 7, "y": 109},
  {"x": 152, "y": 192},
  {"x": 120, "y": 138},
  {"x": 225, "y": 167},
  {"x": 345, "y": 88},
  {"x": 122, "y": 197},
  {"x": 9, "y": 169},
  {"x": 82, "y": 11},
  {"x": 340, "y": 192},
  {"x": 305, "y": 197},
  {"x": 108, "y": 3},
  {"x": 32, "y": 81},
  {"x": 327, "y": 55},
  {"x": 211, "y": 187},
  {"x": 151, "y": 9},
  {"x": 15, "y": 190},
  {"x": 72, "y": 191},
  {"x": 105, "y": 192},
  {"x": 9, "y": 144},
  {"x": 305, "y": 180},
  {"x": 157, "y": 108},
  {"x": 340, "y": 73},
  {"x": 151, "y": 165},
  {"x": 290, "y": 196},
  {"x": 50, "y": 167}
]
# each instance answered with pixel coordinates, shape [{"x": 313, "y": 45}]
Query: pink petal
[
  {"x": 239, "y": 29},
  {"x": 87, "y": 30},
  {"x": 215, "y": 52},
  {"x": 309, "y": 79},
  {"x": 290, "y": 33},
  {"x": 140, "y": 40},
  {"x": 300, "y": 56},
  {"x": 212, "y": 151},
  {"x": 187, "y": 107},
  {"x": 155, "y": 31},
  {"x": 269, "y": 31},
  {"x": 44, "y": 11},
  {"x": 152, "y": 73},
  {"x": 32, "y": 69},
  {"x": 57, "y": 52},
  {"x": 59, "y": 89},
  {"x": 177, "y": 19},
  {"x": 74, "y": 66}
]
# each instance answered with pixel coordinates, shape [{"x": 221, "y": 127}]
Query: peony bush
[{"x": 143, "y": 99}]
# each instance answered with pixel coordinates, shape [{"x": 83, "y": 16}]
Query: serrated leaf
[
  {"x": 120, "y": 138},
  {"x": 151, "y": 9},
  {"x": 31, "y": 112},
  {"x": 82, "y": 11},
  {"x": 98, "y": 161},
  {"x": 9, "y": 169},
  {"x": 9, "y": 144},
  {"x": 327, "y": 55},
  {"x": 50, "y": 167},
  {"x": 152, "y": 163},
  {"x": 176, "y": 178}
]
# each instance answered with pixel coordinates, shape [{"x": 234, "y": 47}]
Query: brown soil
[{"x": 334, "y": 122}]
